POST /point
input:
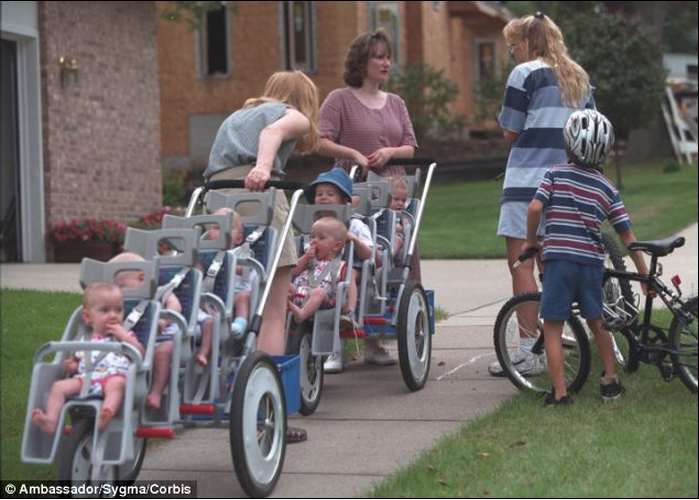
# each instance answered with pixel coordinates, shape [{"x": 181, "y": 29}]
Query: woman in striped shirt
[{"x": 543, "y": 90}]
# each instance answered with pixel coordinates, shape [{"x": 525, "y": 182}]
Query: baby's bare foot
[
  {"x": 153, "y": 401},
  {"x": 201, "y": 360},
  {"x": 43, "y": 422},
  {"x": 106, "y": 415}
]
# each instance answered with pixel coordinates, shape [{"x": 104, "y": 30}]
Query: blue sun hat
[{"x": 337, "y": 177}]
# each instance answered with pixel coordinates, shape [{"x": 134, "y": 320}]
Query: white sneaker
[
  {"x": 532, "y": 365},
  {"x": 333, "y": 364},
  {"x": 377, "y": 355},
  {"x": 496, "y": 370},
  {"x": 524, "y": 361}
]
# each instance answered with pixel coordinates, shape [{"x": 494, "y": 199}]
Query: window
[
  {"x": 386, "y": 15},
  {"x": 485, "y": 60},
  {"x": 299, "y": 36},
  {"x": 214, "y": 43}
]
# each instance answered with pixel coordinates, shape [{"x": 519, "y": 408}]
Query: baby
[
  {"x": 242, "y": 286},
  {"x": 162, "y": 357},
  {"x": 399, "y": 198},
  {"x": 319, "y": 269},
  {"x": 103, "y": 313}
]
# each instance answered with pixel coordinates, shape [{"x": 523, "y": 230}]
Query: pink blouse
[{"x": 346, "y": 121}]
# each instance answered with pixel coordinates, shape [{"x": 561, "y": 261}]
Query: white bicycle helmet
[{"x": 588, "y": 137}]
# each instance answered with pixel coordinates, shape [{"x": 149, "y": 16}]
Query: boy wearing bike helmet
[{"x": 577, "y": 198}]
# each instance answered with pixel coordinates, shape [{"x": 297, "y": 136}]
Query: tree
[
  {"x": 427, "y": 93},
  {"x": 624, "y": 62}
]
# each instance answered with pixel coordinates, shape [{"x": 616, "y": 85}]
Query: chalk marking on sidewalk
[{"x": 462, "y": 365}]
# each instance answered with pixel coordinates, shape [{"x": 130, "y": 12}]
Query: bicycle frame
[{"x": 655, "y": 288}]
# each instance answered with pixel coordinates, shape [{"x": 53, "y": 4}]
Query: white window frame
[
  {"x": 286, "y": 20},
  {"x": 19, "y": 23},
  {"x": 201, "y": 49},
  {"x": 477, "y": 43},
  {"x": 394, "y": 32}
]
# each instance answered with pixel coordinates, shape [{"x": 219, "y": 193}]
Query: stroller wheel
[{"x": 414, "y": 340}]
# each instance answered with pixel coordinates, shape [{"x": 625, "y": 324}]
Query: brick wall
[
  {"x": 256, "y": 54},
  {"x": 256, "y": 47},
  {"x": 101, "y": 135}
]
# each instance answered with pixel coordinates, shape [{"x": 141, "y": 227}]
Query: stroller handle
[{"x": 240, "y": 184}]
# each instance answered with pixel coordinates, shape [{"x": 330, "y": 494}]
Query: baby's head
[
  {"x": 128, "y": 279},
  {"x": 330, "y": 188},
  {"x": 399, "y": 193},
  {"x": 237, "y": 235},
  {"x": 328, "y": 236},
  {"x": 103, "y": 305}
]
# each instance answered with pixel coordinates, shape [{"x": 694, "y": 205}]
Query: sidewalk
[{"x": 368, "y": 423}]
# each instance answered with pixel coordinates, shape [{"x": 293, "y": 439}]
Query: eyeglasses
[{"x": 511, "y": 47}]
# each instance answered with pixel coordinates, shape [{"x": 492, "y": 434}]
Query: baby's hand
[
  {"x": 70, "y": 365},
  {"x": 116, "y": 330}
]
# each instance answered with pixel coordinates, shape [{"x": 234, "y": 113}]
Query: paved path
[{"x": 368, "y": 423}]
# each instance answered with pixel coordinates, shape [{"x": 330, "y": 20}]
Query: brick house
[
  {"x": 205, "y": 75},
  {"x": 83, "y": 137}
]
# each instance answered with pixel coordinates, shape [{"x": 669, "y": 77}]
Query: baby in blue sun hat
[{"x": 334, "y": 187}]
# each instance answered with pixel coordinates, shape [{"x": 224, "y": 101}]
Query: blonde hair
[
  {"x": 127, "y": 257},
  {"x": 334, "y": 226},
  {"x": 544, "y": 40},
  {"x": 296, "y": 89},
  {"x": 237, "y": 220},
  {"x": 92, "y": 290},
  {"x": 398, "y": 182}
]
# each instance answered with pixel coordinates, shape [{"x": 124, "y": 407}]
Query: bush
[
  {"x": 155, "y": 220},
  {"x": 671, "y": 167},
  {"x": 174, "y": 188},
  {"x": 427, "y": 94}
]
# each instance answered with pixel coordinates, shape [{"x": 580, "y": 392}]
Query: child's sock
[
  {"x": 526, "y": 343},
  {"x": 239, "y": 325}
]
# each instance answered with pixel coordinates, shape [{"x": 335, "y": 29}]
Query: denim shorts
[
  {"x": 513, "y": 220},
  {"x": 566, "y": 282}
]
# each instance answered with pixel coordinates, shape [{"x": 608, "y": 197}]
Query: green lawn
[
  {"x": 644, "y": 445},
  {"x": 461, "y": 218},
  {"x": 29, "y": 319}
]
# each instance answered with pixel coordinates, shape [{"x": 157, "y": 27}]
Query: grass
[
  {"x": 644, "y": 445},
  {"x": 461, "y": 218},
  {"x": 29, "y": 319}
]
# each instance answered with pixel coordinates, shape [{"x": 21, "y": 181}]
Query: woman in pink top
[{"x": 361, "y": 124}]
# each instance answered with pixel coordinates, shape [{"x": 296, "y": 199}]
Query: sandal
[{"x": 296, "y": 435}]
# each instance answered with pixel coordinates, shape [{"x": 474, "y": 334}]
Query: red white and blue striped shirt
[{"x": 577, "y": 201}]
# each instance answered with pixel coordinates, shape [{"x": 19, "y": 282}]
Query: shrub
[
  {"x": 155, "y": 220},
  {"x": 427, "y": 93}
]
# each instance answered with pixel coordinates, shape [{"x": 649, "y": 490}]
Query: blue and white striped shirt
[
  {"x": 577, "y": 201},
  {"x": 534, "y": 110}
]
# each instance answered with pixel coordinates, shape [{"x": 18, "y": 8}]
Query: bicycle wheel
[
  {"x": 613, "y": 290},
  {"x": 683, "y": 341},
  {"x": 526, "y": 367}
]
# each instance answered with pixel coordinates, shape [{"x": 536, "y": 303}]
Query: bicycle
[{"x": 634, "y": 342}]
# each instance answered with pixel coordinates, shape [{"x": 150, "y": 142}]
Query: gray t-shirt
[{"x": 238, "y": 138}]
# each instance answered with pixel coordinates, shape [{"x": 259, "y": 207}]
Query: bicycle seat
[{"x": 658, "y": 248}]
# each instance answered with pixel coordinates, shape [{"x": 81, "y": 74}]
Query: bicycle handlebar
[{"x": 526, "y": 255}]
